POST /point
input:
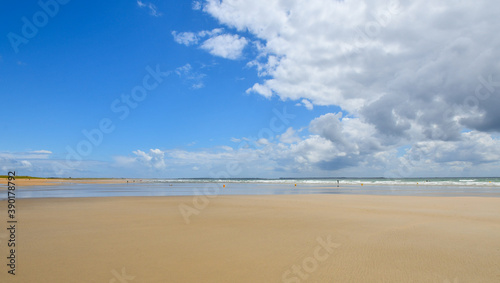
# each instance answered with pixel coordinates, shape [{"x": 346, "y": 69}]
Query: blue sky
[{"x": 365, "y": 96}]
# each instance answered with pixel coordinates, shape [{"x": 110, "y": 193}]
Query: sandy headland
[{"x": 274, "y": 238}]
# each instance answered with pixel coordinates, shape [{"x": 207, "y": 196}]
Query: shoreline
[
  {"x": 349, "y": 182},
  {"x": 62, "y": 188}
]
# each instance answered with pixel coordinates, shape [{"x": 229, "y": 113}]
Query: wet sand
[{"x": 273, "y": 238}]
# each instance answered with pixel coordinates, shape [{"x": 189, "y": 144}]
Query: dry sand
[{"x": 278, "y": 238}]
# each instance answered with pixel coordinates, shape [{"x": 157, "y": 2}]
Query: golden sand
[{"x": 279, "y": 238}]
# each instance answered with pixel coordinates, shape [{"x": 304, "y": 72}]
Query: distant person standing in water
[{"x": 337, "y": 183}]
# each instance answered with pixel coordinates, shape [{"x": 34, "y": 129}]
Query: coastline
[{"x": 493, "y": 182}]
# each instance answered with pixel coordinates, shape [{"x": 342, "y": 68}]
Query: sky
[{"x": 238, "y": 89}]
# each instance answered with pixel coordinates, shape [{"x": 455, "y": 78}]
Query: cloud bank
[{"x": 417, "y": 81}]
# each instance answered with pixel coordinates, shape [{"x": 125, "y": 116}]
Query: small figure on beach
[{"x": 338, "y": 183}]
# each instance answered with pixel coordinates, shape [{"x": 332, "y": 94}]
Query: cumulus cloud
[
  {"x": 307, "y": 104},
  {"x": 474, "y": 148},
  {"x": 190, "y": 38},
  {"x": 227, "y": 46},
  {"x": 334, "y": 143},
  {"x": 290, "y": 136},
  {"x": 319, "y": 156},
  {"x": 154, "y": 158},
  {"x": 261, "y": 89},
  {"x": 205, "y": 33},
  {"x": 474, "y": 154},
  {"x": 416, "y": 75},
  {"x": 398, "y": 65},
  {"x": 332, "y": 148},
  {"x": 185, "y": 38}
]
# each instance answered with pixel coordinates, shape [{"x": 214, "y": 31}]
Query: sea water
[{"x": 488, "y": 187}]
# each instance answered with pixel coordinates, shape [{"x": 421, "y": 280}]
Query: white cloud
[
  {"x": 334, "y": 144},
  {"x": 227, "y": 46},
  {"x": 473, "y": 148},
  {"x": 18, "y": 166},
  {"x": 345, "y": 146},
  {"x": 35, "y": 154},
  {"x": 186, "y": 38},
  {"x": 44, "y": 163},
  {"x": 154, "y": 158},
  {"x": 190, "y": 38},
  {"x": 405, "y": 74},
  {"x": 474, "y": 154},
  {"x": 193, "y": 78},
  {"x": 152, "y": 8},
  {"x": 290, "y": 136},
  {"x": 226, "y": 148},
  {"x": 328, "y": 126},
  {"x": 42, "y": 151},
  {"x": 307, "y": 104},
  {"x": 26, "y": 164},
  {"x": 196, "y": 5},
  {"x": 395, "y": 64},
  {"x": 212, "y": 32},
  {"x": 183, "y": 70},
  {"x": 261, "y": 89},
  {"x": 198, "y": 85}
]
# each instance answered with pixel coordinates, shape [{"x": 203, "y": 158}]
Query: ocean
[
  {"x": 487, "y": 187},
  {"x": 470, "y": 181}
]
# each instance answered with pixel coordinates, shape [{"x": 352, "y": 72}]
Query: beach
[{"x": 272, "y": 238}]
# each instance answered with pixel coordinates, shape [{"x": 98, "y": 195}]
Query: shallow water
[{"x": 212, "y": 188}]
